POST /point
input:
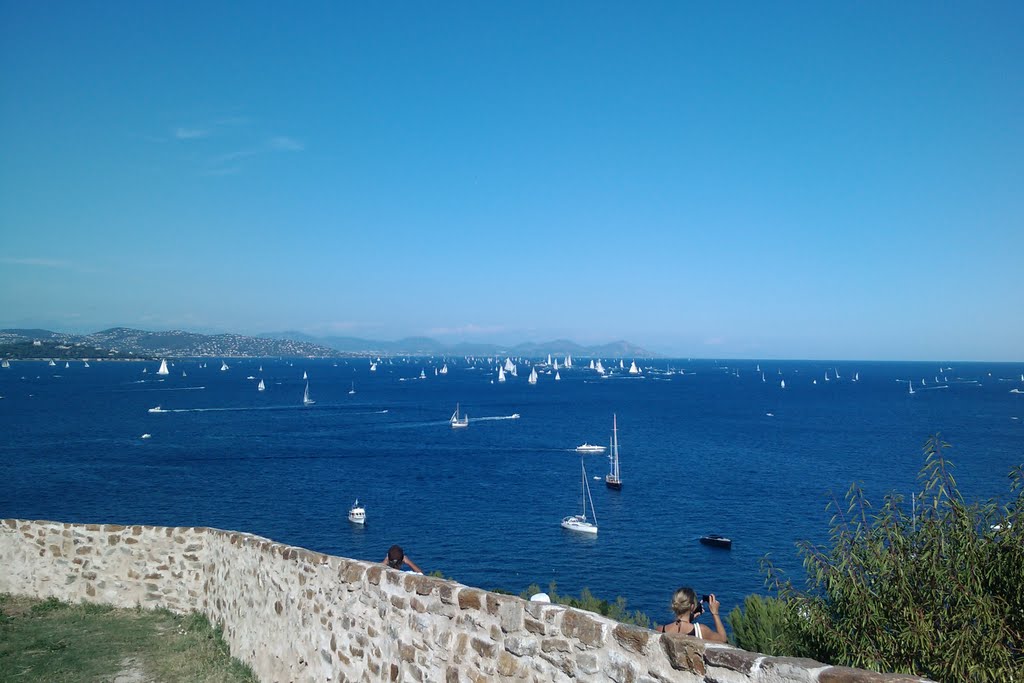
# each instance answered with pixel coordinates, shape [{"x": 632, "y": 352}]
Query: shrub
[
  {"x": 764, "y": 626},
  {"x": 933, "y": 588}
]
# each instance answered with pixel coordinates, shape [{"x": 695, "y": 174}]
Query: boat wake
[
  {"x": 513, "y": 416},
  {"x": 158, "y": 409}
]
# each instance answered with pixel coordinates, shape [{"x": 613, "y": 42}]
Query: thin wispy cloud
[
  {"x": 470, "y": 328},
  {"x": 280, "y": 143},
  {"x": 286, "y": 144},
  {"x": 36, "y": 262},
  {"x": 182, "y": 133}
]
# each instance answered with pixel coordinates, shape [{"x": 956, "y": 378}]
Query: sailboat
[
  {"x": 633, "y": 369},
  {"x": 557, "y": 376},
  {"x": 612, "y": 479},
  {"x": 910, "y": 383},
  {"x": 223, "y": 366},
  {"x": 261, "y": 386},
  {"x": 457, "y": 421},
  {"x": 782, "y": 384},
  {"x": 304, "y": 375},
  {"x": 85, "y": 364},
  {"x": 306, "y": 400},
  {"x": 52, "y": 364},
  {"x": 580, "y": 522},
  {"x": 184, "y": 374},
  {"x": 6, "y": 364},
  {"x": 373, "y": 367},
  {"x": 357, "y": 513},
  {"x": 353, "y": 389},
  {"x": 67, "y": 364},
  {"x": 533, "y": 376},
  {"x": 444, "y": 369},
  {"x": 163, "y": 368},
  {"x": 423, "y": 375},
  {"x": 501, "y": 374}
]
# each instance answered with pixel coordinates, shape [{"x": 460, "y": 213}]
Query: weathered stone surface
[
  {"x": 731, "y": 658},
  {"x": 797, "y": 670},
  {"x": 684, "y": 652},
  {"x": 470, "y": 598},
  {"x": 555, "y": 645},
  {"x": 534, "y": 626},
  {"x": 521, "y": 646},
  {"x": 843, "y": 674},
  {"x": 578, "y": 625},
  {"x": 484, "y": 648},
  {"x": 632, "y": 638}
]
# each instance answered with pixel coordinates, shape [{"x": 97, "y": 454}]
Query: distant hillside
[
  {"x": 425, "y": 346},
  {"x": 123, "y": 342}
]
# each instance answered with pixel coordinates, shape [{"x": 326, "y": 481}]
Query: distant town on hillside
[{"x": 123, "y": 342}]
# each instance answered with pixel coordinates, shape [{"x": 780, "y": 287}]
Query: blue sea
[{"x": 706, "y": 447}]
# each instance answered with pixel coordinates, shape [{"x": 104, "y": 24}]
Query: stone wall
[{"x": 297, "y": 615}]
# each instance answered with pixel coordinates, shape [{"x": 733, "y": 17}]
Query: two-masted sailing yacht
[{"x": 612, "y": 480}]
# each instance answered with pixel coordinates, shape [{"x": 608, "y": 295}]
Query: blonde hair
[{"x": 683, "y": 601}]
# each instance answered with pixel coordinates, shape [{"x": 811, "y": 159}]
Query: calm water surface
[{"x": 714, "y": 450}]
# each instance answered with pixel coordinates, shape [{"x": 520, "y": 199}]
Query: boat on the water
[
  {"x": 456, "y": 421},
  {"x": 353, "y": 389},
  {"x": 306, "y": 400},
  {"x": 589, "y": 448},
  {"x": 579, "y": 522},
  {"x": 612, "y": 480},
  {"x": 357, "y": 513},
  {"x": 163, "y": 368},
  {"x": 261, "y": 386},
  {"x": 533, "y": 376},
  {"x": 716, "y": 541},
  {"x": 156, "y": 409},
  {"x": 223, "y": 366}
]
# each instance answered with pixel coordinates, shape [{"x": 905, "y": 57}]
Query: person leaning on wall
[
  {"x": 397, "y": 557},
  {"x": 687, "y": 608}
]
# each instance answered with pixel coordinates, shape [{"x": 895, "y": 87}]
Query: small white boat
[
  {"x": 457, "y": 421},
  {"x": 261, "y": 386},
  {"x": 163, "y": 368},
  {"x": 444, "y": 369},
  {"x": 557, "y": 376},
  {"x": 223, "y": 366},
  {"x": 373, "y": 367},
  {"x": 590, "y": 448},
  {"x": 357, "y": 513},
  {"x": 353, "y": 389},
  {"x": 184, "y": 374},
  {"x": 501, "y": 374},
  {"x": 910, "y": 384},
  {"x": 633, "y": 369},
  {"x": 580, "y": 523},
  {"x": 52, "y": 364},
  {"x": 533, "y": 376},
  {"x": 146, "y": 436},
  {"x": 6, "y": 364},
  {"x": 304, "y": 375},
  {"x": 782, "y": 384},
  {"x": 423, "y": 375},
  {"x": 156, "y": 409},
  {"x": 306, "y": 400}
]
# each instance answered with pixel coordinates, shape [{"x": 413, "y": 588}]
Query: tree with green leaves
[{"x": 933, "y": 586}]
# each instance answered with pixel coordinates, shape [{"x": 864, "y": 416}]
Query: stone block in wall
[
  {"x": 632, "y": 638},
  {"x": 792, "y": 669},
  {"x": 843, "y": 674},
  {"x": 684, "y": 653},
  {"x": 731, "y": 658},
  {"x": 471, "y": 598},
  {"x": 586, "y": 629}
]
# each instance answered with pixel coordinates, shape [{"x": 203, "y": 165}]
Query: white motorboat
[
  {"x": 357, "y": 513},
  {"x": 589, "y": 448},
  {"x": 156, "y": 409},
  {"x": 456, "y": 421},
  {"x": 580, "y": 523}
]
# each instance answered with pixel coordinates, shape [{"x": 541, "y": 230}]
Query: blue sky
[{"x": 801, "y": 180}]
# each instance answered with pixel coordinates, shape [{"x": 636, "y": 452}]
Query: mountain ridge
[{"x": 131, "y": 342}]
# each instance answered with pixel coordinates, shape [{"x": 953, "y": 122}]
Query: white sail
[
  {"x": 622, "y": 366},
  {"x": 261, "y": 386},
  {"x": 353, "y": 389},
  {"x": 423, "y": 375},
  {"x": 261, "y": 368},
  {"x": 501, "y": 374},
  {"x": 86, "y": 364},
  {"x": 373, "y": 367},
  {"x": 183, "y": 374},
  {"x": 549, "y": 359},
  {"x": 612, "y": 479},
  {"x": 304, "y": 375},
  {"x": 910, "y": 383},
  {"x": 444, "y": 369},
  {"x": 557, "y": 376},
  {"x": 163, "y": 368},
  {"x": 67, "y": 364},
  {"x": 591, "y": 363},
  {"x": 599, "y": 367},
  {"x": 533, "y": 376},
  {"x": 6, "y": 364},
  {"x": 515, "y": 370},
  {"x": 509, "y": 365},
  {"x": 782, "y": 383},
  {"x": 52, "y": 364},
  {"x": 556, "y": 365},
  {"x": 633, "y": 369},
  {"x": 306, "y": 400},
  {"x": 223, "y": 366}
]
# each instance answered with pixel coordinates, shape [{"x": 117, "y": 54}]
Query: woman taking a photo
[{"x": 687, "y": 608}]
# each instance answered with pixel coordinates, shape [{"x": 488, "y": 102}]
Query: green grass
[{"x": 55, "y": 641}]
